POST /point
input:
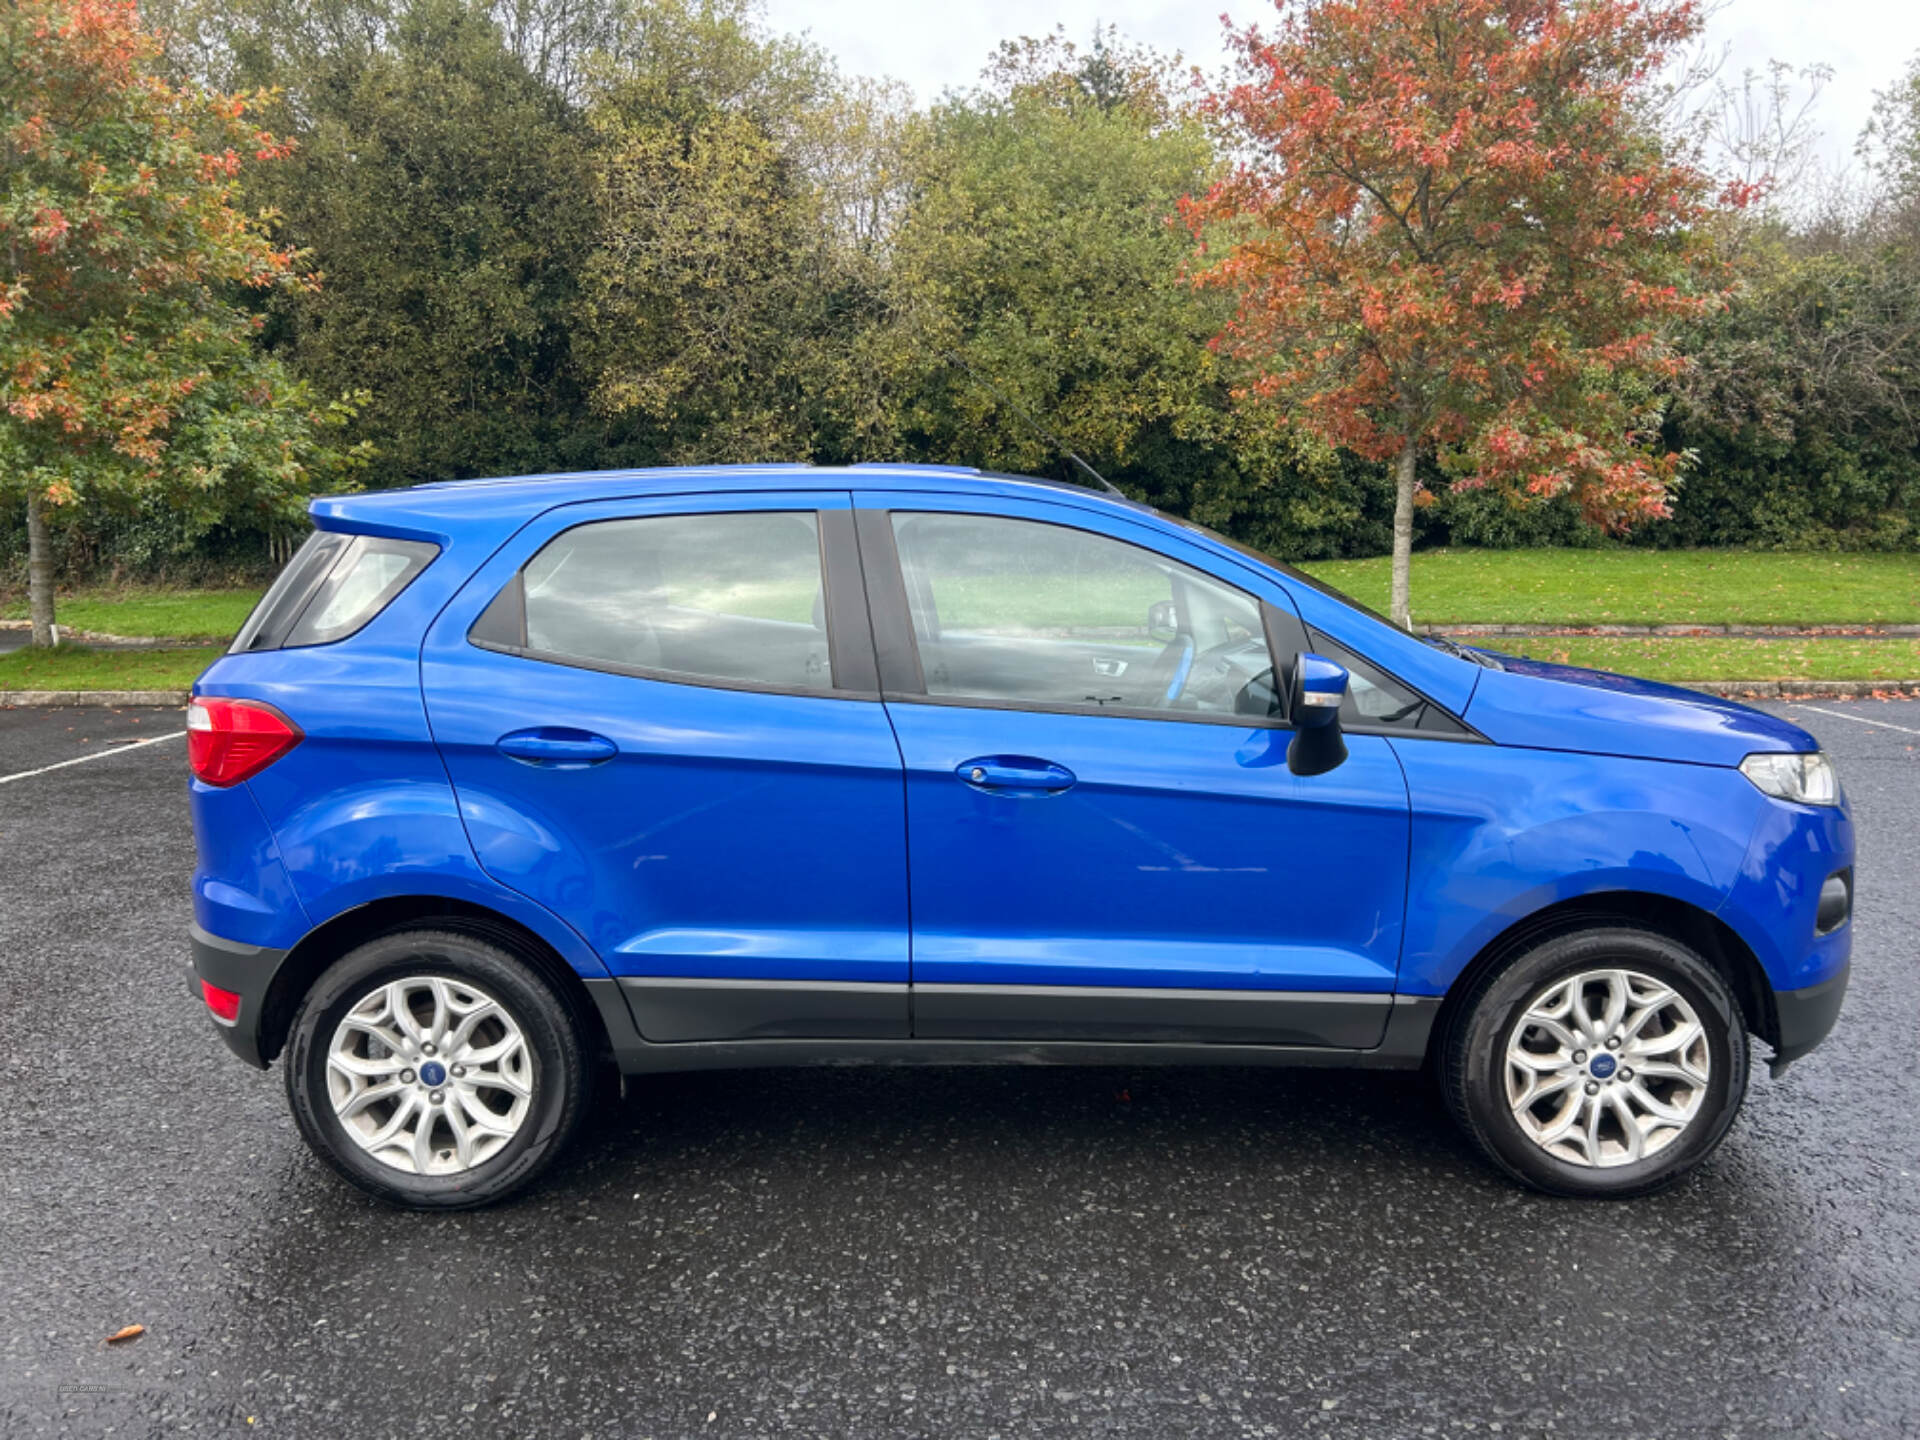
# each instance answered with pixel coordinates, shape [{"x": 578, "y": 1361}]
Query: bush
[
  {"x": 155, "y": 543},
  {"x": 1819, "y": 495},
  {"x": 1493, "y": 521}
]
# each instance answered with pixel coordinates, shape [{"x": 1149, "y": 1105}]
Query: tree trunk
[
  {"x": 1402, "y": 533},
  {"x": 39, "y": 572}
]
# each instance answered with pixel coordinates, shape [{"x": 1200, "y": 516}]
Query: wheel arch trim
[
  {"x": 1700, "y": 929},
  {"x": 340, "y": 933}
]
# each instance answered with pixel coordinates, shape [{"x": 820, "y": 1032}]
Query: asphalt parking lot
[{"x": 913, "y": 1252}]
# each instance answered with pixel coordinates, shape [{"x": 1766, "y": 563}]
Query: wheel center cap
[
  {"x": 434, "y": 1073},
  {"x": 1602, "y": 1067}
]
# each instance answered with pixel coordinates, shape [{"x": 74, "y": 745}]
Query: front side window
[
  {"x": 725, "y": 598},
  {"x": 1022, "y": 612},
  {"x": 1377, "y": 700}
]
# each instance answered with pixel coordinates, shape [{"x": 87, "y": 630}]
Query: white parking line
[
  {"x": 1860, "y": 719},
  {"x": 83, "y": 759}
]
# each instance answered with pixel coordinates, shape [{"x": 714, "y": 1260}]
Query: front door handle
[
  {"x": 1015, "y": 774},
  {"x": 554, "y": 747}
]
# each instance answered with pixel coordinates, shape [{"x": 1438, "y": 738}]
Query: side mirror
[
  {"x": 1319, "y": 686},
  {"x": 1163, "y": 622}
]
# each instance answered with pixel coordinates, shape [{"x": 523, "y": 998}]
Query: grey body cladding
[
  {"x": 671, "y": 1011},
  {"x": 1072, "y": 1012},
  {"x": 243, "y": 969},
  {"x": 688, "y": 1024}
]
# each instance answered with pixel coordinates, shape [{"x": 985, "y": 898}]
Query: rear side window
[
  {"x": 735, "y": 599},
  {"x": 331, "y": 588}
]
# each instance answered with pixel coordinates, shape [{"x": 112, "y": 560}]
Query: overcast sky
[{"x": 1867, "y": 42}]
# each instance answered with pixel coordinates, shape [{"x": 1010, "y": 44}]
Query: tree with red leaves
[
  {"x": 1456, "y": 230},
  {"x": 124, "y": 361}
]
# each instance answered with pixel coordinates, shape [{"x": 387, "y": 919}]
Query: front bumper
[
  {"x": 1806, "y": 1016},
  {"x": 246, "y": 970}
]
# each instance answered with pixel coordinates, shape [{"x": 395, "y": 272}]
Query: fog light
[
  {"x": 224, "y": 1004},
  {"x": 1836, "y": 902}
]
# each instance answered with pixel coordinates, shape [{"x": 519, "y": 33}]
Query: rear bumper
[
  {"x": 1806, "y": 1017},
  {"x": 246, "y": 970}
]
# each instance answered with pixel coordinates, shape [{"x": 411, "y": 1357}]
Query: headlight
[{"x": 1802, "y": 778}]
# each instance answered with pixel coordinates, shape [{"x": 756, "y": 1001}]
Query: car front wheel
[
  {"x": 435, "y": 1070},
  {"x": 1602, "y": 1062}
]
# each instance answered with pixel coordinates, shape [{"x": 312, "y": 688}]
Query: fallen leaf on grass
[{"x": 126, "y": 1332}]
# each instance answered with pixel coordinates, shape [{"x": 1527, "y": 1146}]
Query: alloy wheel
[
  {"x": 1607, "y": 1067},
  {"x": 430, "y": 1075}
]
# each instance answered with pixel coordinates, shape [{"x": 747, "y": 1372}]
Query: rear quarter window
[{"x": 332, "y": 588}]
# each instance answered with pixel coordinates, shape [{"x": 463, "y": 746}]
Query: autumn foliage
[
  {"x": 1454, "y": 229},
  {"x": 123, "y": 251}
]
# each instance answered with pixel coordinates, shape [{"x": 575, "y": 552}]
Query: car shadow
[{"x": 1256, "y": 1115}]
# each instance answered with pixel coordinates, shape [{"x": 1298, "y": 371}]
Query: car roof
[{"x": 444, "y": 504}]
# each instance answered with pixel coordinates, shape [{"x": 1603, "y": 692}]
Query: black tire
[
  {"x": 1473, "y": 1059},
  {"x": 561, "y": 1078}
]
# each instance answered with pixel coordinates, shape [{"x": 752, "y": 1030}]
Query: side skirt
[
  {"x": 1132, "y": 1015},
  {"x": 670, "y": 1010},
  {"x": 1403, "y": 1044}
]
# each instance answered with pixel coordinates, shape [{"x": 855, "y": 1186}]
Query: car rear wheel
[
  {"x": 435, "y": 1070},
  {"x": 1601, "y": 1062}
]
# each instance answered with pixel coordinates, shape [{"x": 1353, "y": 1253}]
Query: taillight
[{"x": 230, "y": 740}]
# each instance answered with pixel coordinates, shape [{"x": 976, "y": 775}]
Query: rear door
[
  {"x": 662, "y": 721},
  {"x": 1105, "y": 840}
]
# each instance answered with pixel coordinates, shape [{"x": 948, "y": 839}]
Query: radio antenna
[{"x": 1026, "y": 418}]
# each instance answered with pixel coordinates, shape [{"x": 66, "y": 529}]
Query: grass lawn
[
  {"x": 1571, "y": 587},
  {"x": 1565, "y": 587},
  {"x": 74, "y": 667},
  {"x": 1656, "y": 658},
  {"x": 1642, "y": 587},
  {"x": 148, "y": 613}
]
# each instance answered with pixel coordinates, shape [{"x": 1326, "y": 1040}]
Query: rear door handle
[
  {"x": 554, "y": 747},
  {"x": 1015, "y": 773}
]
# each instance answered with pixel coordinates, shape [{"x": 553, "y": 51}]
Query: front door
[
  {"x": 1105, "y": 840},
  {"x": 662, "y": 722}
]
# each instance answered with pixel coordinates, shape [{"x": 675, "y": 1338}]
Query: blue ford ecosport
[{"x": 781, "y": 765}]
